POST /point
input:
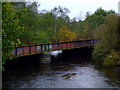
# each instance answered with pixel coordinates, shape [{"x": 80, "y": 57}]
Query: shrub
[{"x": 112, "y": 59}]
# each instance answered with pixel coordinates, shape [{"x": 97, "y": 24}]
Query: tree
[
  {"x": 29, "y": 22},
  {"x": 11, "y": 30},
  {"x": 60, "y": 15},
  {"x": 108, "y": 34},
  {"x": 60, "y": 11},
  {"x": 66, "y": 35},
  {"x": 87, "y": 14}
]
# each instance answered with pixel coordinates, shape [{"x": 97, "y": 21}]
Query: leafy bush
[{"x": 112, "y": 59}]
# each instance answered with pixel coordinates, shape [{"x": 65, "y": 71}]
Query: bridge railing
[{"x": 34, "y": 49}]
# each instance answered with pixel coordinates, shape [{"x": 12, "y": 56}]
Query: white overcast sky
[{"x": 79, "y": 7}]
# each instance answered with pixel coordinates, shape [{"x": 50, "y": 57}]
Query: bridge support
[{"x": 45, "y": 58}]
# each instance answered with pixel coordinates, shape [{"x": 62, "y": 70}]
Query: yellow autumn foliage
[{"x": 66, "y": 35}]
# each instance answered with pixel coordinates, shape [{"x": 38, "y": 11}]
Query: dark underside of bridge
[
  {"x": 66, "y": 55},
  {"x": 84, "y": 53}
]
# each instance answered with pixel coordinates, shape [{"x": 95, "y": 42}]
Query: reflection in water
[{"x": 76, "y": 73}]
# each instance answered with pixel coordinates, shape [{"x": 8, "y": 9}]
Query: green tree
[
  {"x": 30, "y": 23},
  {"x": 92, "y": 21},
  {"x": 11, "y": 30},
  {"x": 108, "y": 34}
]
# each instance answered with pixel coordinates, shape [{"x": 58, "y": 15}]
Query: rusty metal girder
[{"x": 34, "y": 49}]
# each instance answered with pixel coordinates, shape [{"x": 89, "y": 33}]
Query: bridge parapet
[{"x": 41, "y": 48}]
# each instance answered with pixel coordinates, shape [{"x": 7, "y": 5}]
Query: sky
[{"x": 78, "y": 8}]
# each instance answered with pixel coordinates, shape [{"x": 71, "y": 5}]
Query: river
[{"x": 68, "y": 72}]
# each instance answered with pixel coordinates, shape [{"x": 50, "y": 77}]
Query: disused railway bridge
[{"x": 41, "y": 48}]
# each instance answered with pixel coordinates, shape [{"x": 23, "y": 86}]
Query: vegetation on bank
[
  {"x": 112, "y": 59},
  {"x": 107, "y": 51},
  {"x": 23, "y": 24},
  {"x": 11, "y": 30}
]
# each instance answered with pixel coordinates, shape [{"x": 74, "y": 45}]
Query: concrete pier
[{"x": 45, "y": 58}]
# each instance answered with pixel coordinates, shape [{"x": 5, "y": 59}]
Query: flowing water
[{"x": 67, "y": 72}]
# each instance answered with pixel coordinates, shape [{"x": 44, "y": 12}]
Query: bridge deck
[{"x": 41, "y": 48}]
